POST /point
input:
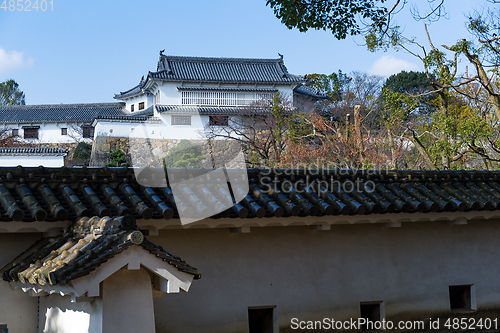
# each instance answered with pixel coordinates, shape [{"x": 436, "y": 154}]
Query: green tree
[
  {"x": 118, "y": 158},
  {"x": 184, "y": 154},
  {"x": 10, "y": 94},
  {"x": 331, "y": 85},
  {"x": 348, "y": 17},
  {"x": 414, "y": 84}
]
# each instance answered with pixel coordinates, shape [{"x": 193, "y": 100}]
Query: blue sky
[{"x": 86, "y": 51}]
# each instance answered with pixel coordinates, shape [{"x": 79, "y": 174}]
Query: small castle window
[
  {"x": 31, "y": 132},
  {"x": 132, "y": 108},
  {"x": 218, "y": 120},
  {"x": 462, "y": 297},
  {"x": 262, "y": 319},
  {"x": 181, "y": 120},
  {"x": 141, "y": 106}
]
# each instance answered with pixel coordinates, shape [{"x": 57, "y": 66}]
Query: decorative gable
[{"x": 93, "y": 249}]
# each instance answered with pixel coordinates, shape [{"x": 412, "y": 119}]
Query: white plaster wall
[
  {"x": 17, "y": 309},
  {"x": 166, "y": 130},
  {"x": 136, "y": 100},
  {"x": 51, "y": 133},
  {"x": 31, "y": 161},
  {"x": 128, "y": 302},
  {"x": 59, "y": 315},
  {"x": 169, "y": 95},
  {"x": 313, "y": 274},
  {"x": 126, "y": 129}
]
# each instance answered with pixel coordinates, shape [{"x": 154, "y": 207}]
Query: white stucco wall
[
  {"x": 31, "y": 161},
  {"x": 51, "y": 132},
  {"x": 17, "y": 309},
  {"x": 136, "y": 100},
  {"x": 313, "y": 274},
  {"x": 128, "y": 302},
  {"x": 58, "y": 314}
]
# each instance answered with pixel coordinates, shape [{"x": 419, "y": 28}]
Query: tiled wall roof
[
  {"x": 32, "y": 151},
  {"x": 61, "y": 194},
  {"x": 82, "y": 249},
  {"x": 59, "y": 112},
  {"x": 211, "y": 110}
]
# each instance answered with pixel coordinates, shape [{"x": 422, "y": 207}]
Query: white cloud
[
  {"x": 12, "y": 60},
  {"x": 388, "y": 65}
]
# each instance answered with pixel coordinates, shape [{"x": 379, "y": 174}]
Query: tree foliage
[
  {"x": 10, "y": 94},
  {"x": 351, "y": 17},
  {"x": 82, "y": 151},
  {"x": 118, "y": 158},
  {"x": 184, "y": 154},
  {"x": 341, "y": 17},
  {"x": 330, "y": 85}
]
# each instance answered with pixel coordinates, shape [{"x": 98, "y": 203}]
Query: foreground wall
[
  {"x": 17, "y": 309},
  {"x": 311, "y": 274}
]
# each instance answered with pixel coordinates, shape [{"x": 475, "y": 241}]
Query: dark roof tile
[
  {"x": 59, "y": 112},
  {"x": 39, "y": 194},
  {"x": 32, "y": 151}
]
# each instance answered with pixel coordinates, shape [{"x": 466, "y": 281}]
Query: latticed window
[
  {"x": 218, "y": 120},
  {"x": 223, "y": 98},
  {"x": 181, "y": 120},
  {"x": 31, "y": 132},
  {"x": 88, "y": 132}
]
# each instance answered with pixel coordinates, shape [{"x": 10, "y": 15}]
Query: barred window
[
  {"x": 181, "y": 120},
  {"x": 141, "y": 106},
  {"x": 64, "y": 131},
  {"x": 88, "y": 132},
  {"x": 132, "y": 108},
  {"x": 218, "y": 120},
  {"x": 31, "y": 132}
]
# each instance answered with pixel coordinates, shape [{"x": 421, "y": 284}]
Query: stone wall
[{"x": 151, "y": 152}]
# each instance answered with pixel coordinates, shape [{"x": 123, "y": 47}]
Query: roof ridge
[
  {"x": 228, "y": 59},
  {"x": 73, "y": 105}
]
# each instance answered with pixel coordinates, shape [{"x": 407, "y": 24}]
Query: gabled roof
[
  {"x": 175, "y": 68},
  {"x": 84, "y": 248},
  {"x": 59, "y": 112},
  {"x": 219, "y": 70},
  {"x": 59, "y": 194}
]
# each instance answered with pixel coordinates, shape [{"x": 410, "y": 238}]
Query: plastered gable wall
[
  {"x": 313, "y": 274},
  {"x": 17, "y": 309},
  {"x": 58, "y": 314}
]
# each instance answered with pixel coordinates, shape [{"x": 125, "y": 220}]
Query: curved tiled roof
[
  {"x": 176, "y": 68},
  {"x": 226, "y": 89},
  {"x": 74, "y": 254},
  {"x": 32, "y": 151},
  {"x": 129, "y": 118},
  {"x": 210, "y": 110},
  {"x": 59, "y": 112},
  {"x": 219, "y": 70},
  {"x": 73, "y": 193}
]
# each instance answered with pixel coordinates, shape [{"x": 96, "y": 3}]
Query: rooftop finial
[
  {"x": 280, "y": 55},
  {"x": 161, "y": 52}
]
